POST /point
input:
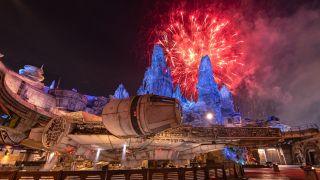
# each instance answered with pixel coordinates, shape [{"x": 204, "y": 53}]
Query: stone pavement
[{"x": 286, "y": 173}]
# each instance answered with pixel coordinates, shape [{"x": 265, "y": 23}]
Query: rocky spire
[
  {"x": 227, "y": 107},
  {"x": 177, "y": 94},
  {"x": 208, "y": 93},
  {"x": 207, "y": 88},
  {"x": 158, "y": 61},
  {"x": 157, "y": 79},
  {"x": 121, "y": 92}
]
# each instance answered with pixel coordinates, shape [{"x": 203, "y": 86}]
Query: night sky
[{"x": 89, "y": 44}]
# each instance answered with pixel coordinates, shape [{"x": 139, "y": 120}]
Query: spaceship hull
[{"x": 141, "y": 115}]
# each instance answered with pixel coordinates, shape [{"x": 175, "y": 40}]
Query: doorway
[{"x": 311, "y": 157}]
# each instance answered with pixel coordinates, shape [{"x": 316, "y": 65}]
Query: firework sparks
[{"x": 189, "y": 37}]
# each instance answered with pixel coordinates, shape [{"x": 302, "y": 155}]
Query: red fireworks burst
[{"x": 190, "y": 36}]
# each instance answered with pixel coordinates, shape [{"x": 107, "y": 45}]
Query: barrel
[{"x": 141, "y": 115}]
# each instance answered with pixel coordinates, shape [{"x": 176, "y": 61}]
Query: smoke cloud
[{"x": 283, "y": 60}]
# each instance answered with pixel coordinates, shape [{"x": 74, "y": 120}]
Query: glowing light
[
  {"x": 97, "y": 155},
  {"x": 271, "y": 149},
  {"x": 188, "y": 36},
  {"x": 261, "y": 150},
  {"x": 50, "y": 157},
  {"x": 209, "y": 116},
  {"x": 5, "y": 116},
  {"x": 5, "y": 159},
  {"x": 238, "y": 155},
  {"x": 124, "y": 150}
]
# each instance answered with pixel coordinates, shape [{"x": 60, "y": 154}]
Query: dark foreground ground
[{"x": 286, "y": 173}]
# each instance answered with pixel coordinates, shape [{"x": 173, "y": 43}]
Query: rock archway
[{"x": 312, "y": 153}]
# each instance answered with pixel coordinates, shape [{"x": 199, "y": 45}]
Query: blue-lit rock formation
[
  {"x": 32, "y": 72},
  {"x": 274, "y": 122},
  {"x": 208, "y": 93},
  {"x": 177, "y": 94},
  {"x": 95, "y": 104},
  {"x": 121, "y": 92},
  {"x": 227, "y": 107},
  {"x": 207, "y": 88},
  {"x": 157, "y": 79},
  {"x": 209, "y": 100},
  {"x": 237, "y": 155}
]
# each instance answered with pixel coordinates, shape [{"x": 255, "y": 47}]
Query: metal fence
[{"x": 225, "y": 171}]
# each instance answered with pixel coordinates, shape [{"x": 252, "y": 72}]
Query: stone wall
[{"x": 307, "y": 151}]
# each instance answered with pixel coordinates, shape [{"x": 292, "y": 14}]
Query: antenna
[
  {"x": 42, "y": 67},
  {"x": 58, "y": 84}
]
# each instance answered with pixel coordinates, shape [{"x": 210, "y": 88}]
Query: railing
[
  {"x": 304, "y": 127},
  {"x": 201, "y": 134},
  {"x": 307, "y": 130},
  {"x": 214, "y": 172},
  {"x": 136, "y": 174},
  {"x": 248, "y": 132}
]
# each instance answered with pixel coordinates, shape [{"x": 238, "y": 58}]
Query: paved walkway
[{"x": 286, "y": 173}]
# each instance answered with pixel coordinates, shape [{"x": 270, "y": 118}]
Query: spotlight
[
  {"x": 209, "y": 116},
  {"x": 124, "y": 150},
  {"x": 97, "y": 155}
]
